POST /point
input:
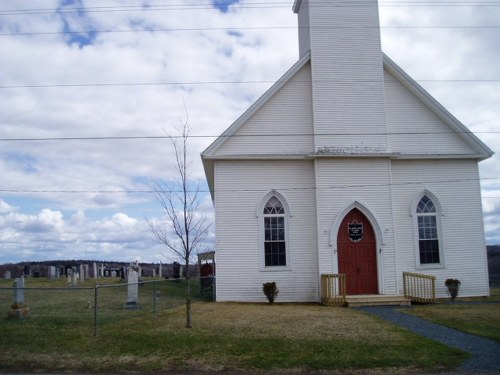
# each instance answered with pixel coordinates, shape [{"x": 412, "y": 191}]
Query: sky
[{"x": 90, "y": 89}]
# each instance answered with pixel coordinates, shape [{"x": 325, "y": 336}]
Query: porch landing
[{"x": 376, "y": 300}]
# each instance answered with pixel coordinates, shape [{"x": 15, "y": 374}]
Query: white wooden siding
[
  {"x": 240, "y": 187},
  {"x": 282, "y": 126},
  {"x": 347, "y": 74},
  {"x": 340, "y": 182},
  {"x": 304, "y": 29},
  {"x": 415, "y": 129},
  {"x": 455, "y": 183}
]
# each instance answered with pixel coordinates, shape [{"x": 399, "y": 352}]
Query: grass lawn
[
  {"x": 281, "y": 338},
  {"x": 475, "y": 318}
]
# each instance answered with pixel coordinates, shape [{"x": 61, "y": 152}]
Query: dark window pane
[
  {"x": 429, "y": 251},
  {"x": 275, "y": 254}
]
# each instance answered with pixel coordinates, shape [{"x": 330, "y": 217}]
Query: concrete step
[{"x": 376, "y": 300}]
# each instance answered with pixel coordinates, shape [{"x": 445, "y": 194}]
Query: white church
[{"x": 345, "y": 166}]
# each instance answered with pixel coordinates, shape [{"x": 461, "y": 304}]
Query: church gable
[
  {"x": 418, "y": 125},
  {"x": 279, "y": 123}
]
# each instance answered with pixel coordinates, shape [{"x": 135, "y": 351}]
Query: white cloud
[
  {"x": 5, "y": 207},
  {"x": 245, "y": 44}
]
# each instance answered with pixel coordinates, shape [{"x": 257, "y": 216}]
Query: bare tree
[{"x": 186, "y": 228}]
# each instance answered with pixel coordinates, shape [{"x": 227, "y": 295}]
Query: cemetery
[{"x": 91, "y": 294}]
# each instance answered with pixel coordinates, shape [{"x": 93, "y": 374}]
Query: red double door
[{"x": 357, "y": 253}]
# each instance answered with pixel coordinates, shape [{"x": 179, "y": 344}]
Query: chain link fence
[{"x": 99, "y": 306}]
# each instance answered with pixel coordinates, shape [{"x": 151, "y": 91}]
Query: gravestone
[
  {"x": 7, "y": 275},
  {"x": 18, "y": 309},
  {"x": 74, "y": 279},
  {"x": 51, "y": 272},
  {"x": 18, "y": 289},
  {"x": 95, "y": 270},
  {"x": 82, "y": 273},
  {"x": 86, "y": 272},
  {"x": 69, "y": 276},
  {"x": 132, "y": 290},
  {"x": 160, "y": 270},
  {"x": 176, "y": 270}
]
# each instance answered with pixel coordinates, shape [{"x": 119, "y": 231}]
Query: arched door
[{"x": 357, "y": 253}]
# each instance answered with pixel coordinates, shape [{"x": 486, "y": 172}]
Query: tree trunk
[{"x": 188, "y": 297}]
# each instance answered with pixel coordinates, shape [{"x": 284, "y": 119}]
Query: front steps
[{"x": 376, "y": 300}]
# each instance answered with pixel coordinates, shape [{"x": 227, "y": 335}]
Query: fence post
[
  {"x": 154, "y": 300},
  {"x": 96, "y": 299}
]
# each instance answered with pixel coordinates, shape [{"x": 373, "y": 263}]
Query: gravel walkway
[{"x": 486, "y": 352}]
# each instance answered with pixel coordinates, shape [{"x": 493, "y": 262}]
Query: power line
[
  {"x": 270, "y": 135},
  {"x": 260, "y": 190},
  {"x": 168, "y": 30},
  {"x": 249, "y": 5},
  {"x": 199, "y": 83}
]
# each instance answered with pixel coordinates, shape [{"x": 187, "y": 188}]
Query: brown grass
[{"x": 290, "y": 321}]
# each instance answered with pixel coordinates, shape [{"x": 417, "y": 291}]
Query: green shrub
[
  {"x": 270, "y": 290},
  {"x": 453, "y": 286}
]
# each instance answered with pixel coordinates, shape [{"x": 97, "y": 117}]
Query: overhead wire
[
  {"x": 246, "y": 190},
  {"x": 252, "y": 5},
  {"x": 255, "y": 135}
]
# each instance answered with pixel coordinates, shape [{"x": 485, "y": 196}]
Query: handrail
[
  {"x": 419, "y": 288},
  {"x": 333, "y": 289}
]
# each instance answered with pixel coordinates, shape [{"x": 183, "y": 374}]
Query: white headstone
[
  {"x": 51, "y": 272},
  {"x": 74, "y": 280},
  {"x": 18, "y": 288},
  {"x": 132, "y": 290},
  {"x": 159, "y": 271},
  {"x": 95, "y": 270},
  {"x": 154, "y": 273},
  {"x": 86, "y": 271},
  {"x": 7, "y": 275},
  {"x": 82, "y": 273}
]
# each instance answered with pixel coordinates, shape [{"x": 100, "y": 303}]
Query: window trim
[
  {"x": 439, "y": 214},
  {"x": 260, "y": 218}
]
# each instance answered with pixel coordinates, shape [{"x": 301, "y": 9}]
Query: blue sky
[
  {"x": 86, "y": 69},
  {"x": 224, "y": 5}
]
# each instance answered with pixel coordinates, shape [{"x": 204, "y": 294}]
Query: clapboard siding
[
  {"x": 347, "y": 73},
  {"x": 283, "y": 125},
  {"x": 340, "y": 182},
  {"x": 414, "y": 128},
  {"x": 456, "y": 185},
  {"x": 339, "y": 96},
  {"x": 244, "y": 184}
]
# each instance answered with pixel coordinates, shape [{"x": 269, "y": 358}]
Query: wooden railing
[
  {"x": 333, "y": 289},
  {"x": 419, "y": 288}
]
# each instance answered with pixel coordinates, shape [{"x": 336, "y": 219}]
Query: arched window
[
  {"x": 429, "y": 249},
  {"x": 274, "y": 233},
  {"x": 274, "y": 216}
]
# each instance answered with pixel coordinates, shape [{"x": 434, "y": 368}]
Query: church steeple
[{"x": 343, "y": 37}]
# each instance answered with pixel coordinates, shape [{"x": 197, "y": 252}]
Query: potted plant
[{"x": 453, "y": 285}]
